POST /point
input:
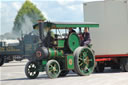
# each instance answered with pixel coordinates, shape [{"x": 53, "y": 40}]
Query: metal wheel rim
[
  {"x": 85, "y": 61},
  {"x": 53, "y": 69},
  {"x": 32, "y": 69}
]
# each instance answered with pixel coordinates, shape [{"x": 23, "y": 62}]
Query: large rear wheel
[
  {"x": 84, "y": 61},
  {"x": 31, "y": 70}
]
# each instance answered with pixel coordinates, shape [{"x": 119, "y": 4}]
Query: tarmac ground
[{"x": 13, "y": 74}]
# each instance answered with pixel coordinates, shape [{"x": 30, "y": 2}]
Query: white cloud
[
  {"x": 91, "y": 0},
  {"x": 72, "y": 7},
  {"x": 75, "y": 7},
  {"x": 64, "y": 2},
  {"x": 16, "y": 5}
]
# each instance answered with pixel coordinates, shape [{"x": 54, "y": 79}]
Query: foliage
[{"x": 31, "y": 11}]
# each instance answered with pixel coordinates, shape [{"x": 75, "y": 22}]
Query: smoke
[
  {"x": 8, "y": 35},
  {"x": 26, "y": 27}
]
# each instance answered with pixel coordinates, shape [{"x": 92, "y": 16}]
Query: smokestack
[{"x": 41, "y": 29}]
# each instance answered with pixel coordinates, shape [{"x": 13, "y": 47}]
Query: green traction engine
[{"x": 59, "y": 53}]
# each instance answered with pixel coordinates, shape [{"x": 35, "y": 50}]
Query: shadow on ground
[
  {"x": 71, "y": 74},
  {"x": 25, "y": 78},
  {"x": 12, "y": 65},
  {"x": 111, "y": 71}
]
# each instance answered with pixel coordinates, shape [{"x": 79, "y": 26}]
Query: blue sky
[{"x": 53, "y": 10}]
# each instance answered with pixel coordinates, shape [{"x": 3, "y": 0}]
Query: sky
[{"x": 53, "y": 10}]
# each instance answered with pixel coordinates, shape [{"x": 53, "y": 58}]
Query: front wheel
[
  {"x": 52, "y": 69},
  {"x": 124, "y": 64},
  {"x": 1, "y": 61},
  {"x": 31, "y": 70}
]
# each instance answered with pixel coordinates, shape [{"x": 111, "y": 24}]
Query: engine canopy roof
[{"x": 67, "y": 25}]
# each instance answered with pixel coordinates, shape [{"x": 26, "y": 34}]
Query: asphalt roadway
[{"x": 13, "y": 74}]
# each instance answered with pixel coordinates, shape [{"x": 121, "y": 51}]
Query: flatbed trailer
[
  {"x": 110, "y": 41},
  {"x": 18, "y": 50}
]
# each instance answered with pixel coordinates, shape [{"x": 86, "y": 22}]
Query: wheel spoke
[
  {"x": 84, "y": 54},
  {"x": 80, "y": 64},
  {"x": 32, "y": 73},
  {"x": 90, "y": 60},
  {"x": 86, "y": 57},
  {"x": 86, "y": 69},
  {"x": 50, "y": 68},
  {"x": 31, "y": 65},
  {"x": 83, "y": 66},
  {"x": 54, "y": 65},
  {"x": 80, "y": 59}
]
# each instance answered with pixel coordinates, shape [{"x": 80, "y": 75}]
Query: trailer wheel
[
  {"x": 52, "y": 69},
  {"x": 84, "y": 61},
  {"x": 63, "y": 73},
  {"x": 124, "y": 64},
  {"x": 115, "y": 67},
  {"x": 99, "y": 68},
  {"x": 1, "y": 61},
  {"x": 31, "y": 70}
]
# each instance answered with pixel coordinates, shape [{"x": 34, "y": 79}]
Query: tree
[{"x": 26, "y": 17}]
